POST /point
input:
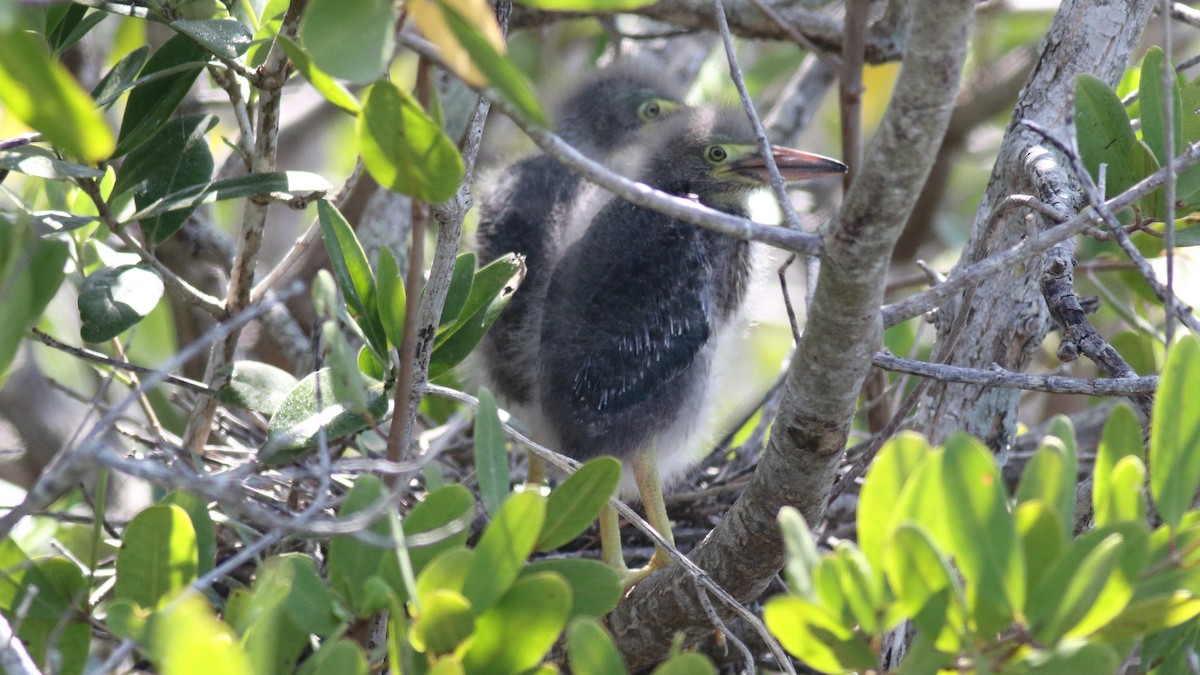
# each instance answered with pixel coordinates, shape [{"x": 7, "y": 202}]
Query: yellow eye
[
  {"x": 649, "y": 110},
  {"x": 716, "y": 154}
]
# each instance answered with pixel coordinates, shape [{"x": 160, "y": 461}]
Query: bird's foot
[{"x": 631, "y": 578}]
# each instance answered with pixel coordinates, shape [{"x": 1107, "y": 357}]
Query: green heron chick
[
  {"x": 636, "y": 307},
  {"x": 528, "y": 212}
]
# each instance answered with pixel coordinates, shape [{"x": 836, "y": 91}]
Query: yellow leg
[
  {"x": 645, "y": 474},
  {"x": 610, "y": 541},
  {"x": 537, "y": 469}
]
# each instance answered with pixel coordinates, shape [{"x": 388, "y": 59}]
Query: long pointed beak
[{"x": 793, "y": 165}]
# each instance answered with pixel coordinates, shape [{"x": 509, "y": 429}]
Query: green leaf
[
  {"x": 57, "y": 640},
  {"x": 307, "y": 601},
  {"x": 1152, "y": 100},
  {"x": 152, "y": 103},
  {"x": 503, "y": 548},
  {"x": 293, "y": 184},
  {"x": 981, "y": 534},
  {"x": 331, "y": 89},
  {"x": 460, "y": 288},
  {"x": 391, "y": 299},
  {"x": 34, "y": 161},
  {"x": 926, "y": 589},
  {"x": 520, "y": 628},
  {"x": 1122, "y": 437},
  {"x": 353, "y": 41},
  {"x": 1175, "y": 432},
  {"x": 577, "y": 503},
  {"x": 202, "y": 523},
  {"x": 226, "y": 38},
  {"x": 491, "y": 292},
  {"x": 595, "y": 587},
  {"x": 403, "y": 148},
  {"x": 337, "y": 657},
  {"x": 158, "y": 555},
  {"x": 815, "y": 636},
  {"x": 353, "y": 272},
  {"x": 1149, "y": 616},
  {"x": 1089, "y": 584},
  {"x": 689, "y": 663},
  {"x": 120, "y": 77},
  {"x": 444, "y": 517},
  {"x": 591, "y": 651},
  {"x": 1104, "y": 134},
  {"x": 298, "y": 421},
  {"x": 40, "y": 92},
  {"x": 1188, "y": 182},
  {"x": 585, "y": 5},
  {"x": 1074, "y": 658},
  {"x": 491, "y": 459},
  {"x": 257, "y": 386},
  {"x": 185, "y": 638},
  {"x": 352, "y": 561},
  {"x": 272, "y": 641},
  {"x": 31, "y": 271},
  {"x": 801, "y": 550},
  {"x": 113, "y": 299},
  {"x": 1188, "y": 236},
  {"x": 1042, "y": 540},
  {"x": 447, "y": 572},
  {"x": 503, "y": 76},
  {"x": 1049, "y": 477},
  {"x": 1126, "y": 498},
  {"x": 891, "y": 469},
  {"x": 176, "y": 158},
  {"x": 444, "y": 622}
]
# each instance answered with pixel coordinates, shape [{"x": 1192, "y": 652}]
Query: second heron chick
[
  {"x": 529, "y": 210},
  {"x": 636, "y": 307}
]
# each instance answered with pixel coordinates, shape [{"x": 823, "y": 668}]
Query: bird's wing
[{"x": 624, "y": 330}]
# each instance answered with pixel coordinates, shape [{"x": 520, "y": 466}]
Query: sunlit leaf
[
  {"x": 226, "y": 38},
  {"x": 1175, "y": 432},
  {"x": 491, "y": 458},
  {"x": 257, "y": 386},
  {"x": 350, "y": 40},
  {"x": 113, "y": 299},
  {"x": 517, "y": 631},
  {"x": 430, "y": 18},
  {"x": 595, "y": 587},
  {"x": 484, "y": 54},
  {"x": 891, "y": 469},
  {"x": 300, "y": 418},
  {"x": 591, "y": 651},
  {"x": 577, "y": 502},
  {"x": 185, "y": 638},
  {"x": 503, "y": 548},
  {"x": 404, "y": 149},
  {"x": 39, "y": 91},
  {"x": 331, "y": 89},
  {"x": 158, "y": 555}
]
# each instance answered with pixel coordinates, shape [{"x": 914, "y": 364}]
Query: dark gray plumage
[
  {"x": 528, "y": 210},
  {"x": 635, "y": 308}
]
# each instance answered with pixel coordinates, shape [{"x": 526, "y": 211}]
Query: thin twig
[
  {"x": 97, "y": 357},
  {"x": 764, "y": 144},
  {"x": 1030, "y": 248},
  {"x": 1005, "y": 379},
  {"x": 629, "y": 190},
  {"x": 1168, "y": 85}
]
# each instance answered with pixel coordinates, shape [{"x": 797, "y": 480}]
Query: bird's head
[
  {"x": 612, "y": 106},
  {"x": 714, "y": 155}
]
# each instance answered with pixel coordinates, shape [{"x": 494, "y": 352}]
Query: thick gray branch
[
  {"x": 842, "y": 335},
  {"x": 1008, "y": 320}
]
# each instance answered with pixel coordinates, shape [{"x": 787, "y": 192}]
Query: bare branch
[{"x": 999, "y": 377}]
